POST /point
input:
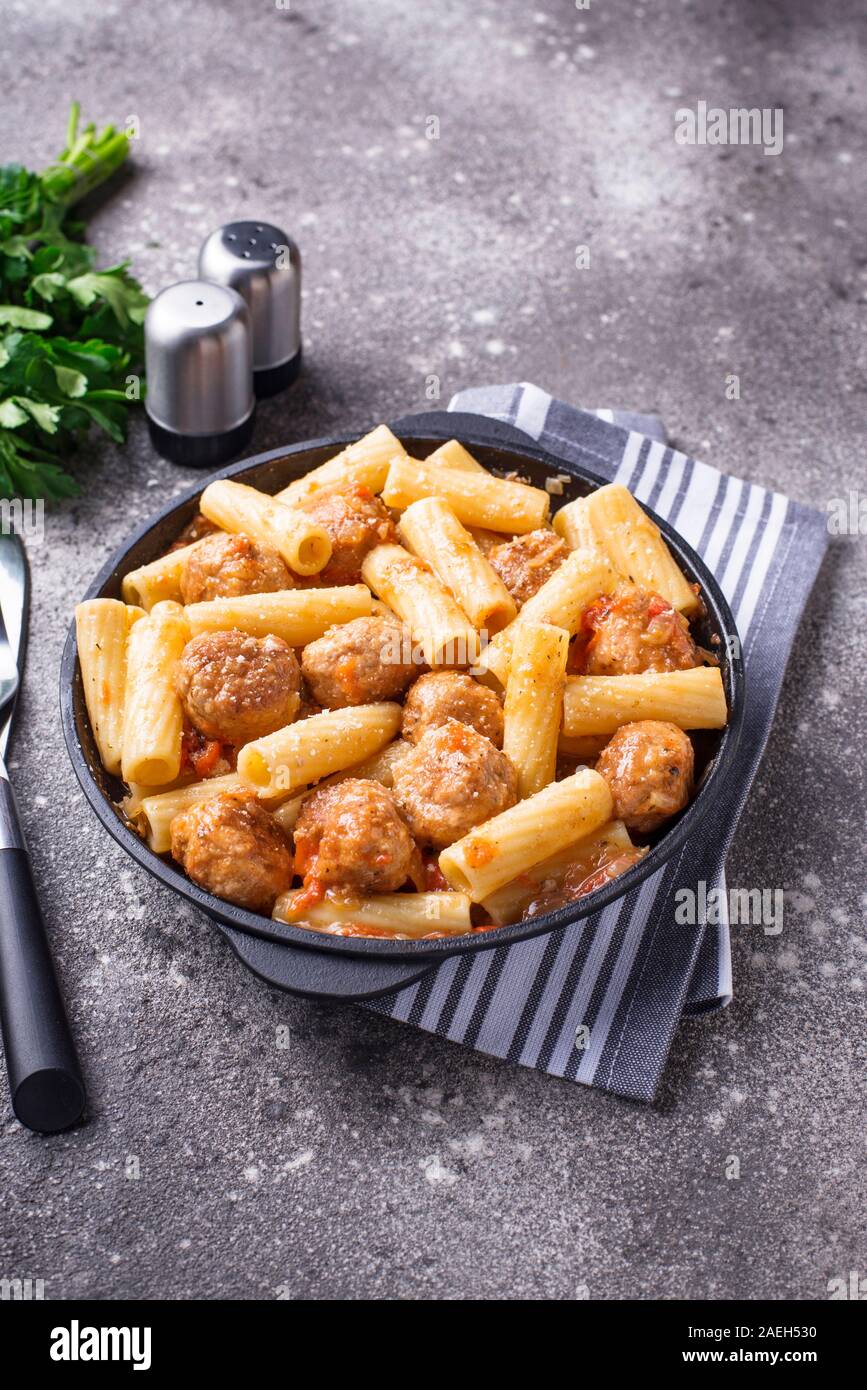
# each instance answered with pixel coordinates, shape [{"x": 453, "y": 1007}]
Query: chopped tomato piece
[
  {"x": 200, "y": 753},
  {"x": 657, "y": 606}
]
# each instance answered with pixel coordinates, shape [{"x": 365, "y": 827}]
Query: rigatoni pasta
[
  {"x": 501, "y": 849},
  {"x": 636, "y": 547},
  {"x": 477, "y": 500},
  {"x": 303, "y": 544},
  {"x": 432, "y": 531},
  {"x": 562, "y": 599},
  {"x": 158, "y": 581},
  {"x": 312, "y": 748},
  {"x": 452, "y": 454},
  {"x": 153, "y": 717},
  {"x": 436, "y": 623},
  {"x": 157, "y": 810},
  {"x": 573, "y": 524},
  {"x": 379, "y": 768},
  {"x": 366, "y": 463},
  {"x": 102, "y": 627},
  {"x": 612, "y": 840},
  {"x": 534, "y": 703},
  {"x": 298, "y": 616},
  {"x": 410, "y": 915},
  {"x": 693, "y": 699}
]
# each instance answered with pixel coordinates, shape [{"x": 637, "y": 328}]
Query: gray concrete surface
[{"x": 305, "y": 1171}]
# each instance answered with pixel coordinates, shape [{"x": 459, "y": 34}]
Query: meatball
[
  {"x": 351, "y": 837},
  {"x": 365, "y": 660},
  {"x": 630, "y": 632},
  {"x": 453, "y": 780},
  {"x": 525, "y": 563},
  {"x": 356, "y": 521},
  {"x": 224, "y": 566},
  {"x": 649, "y": 768},
  {"x": 443, "y": 695},
  {"x": 232, "y": 847},
  {"x": 236, "y": 688}
]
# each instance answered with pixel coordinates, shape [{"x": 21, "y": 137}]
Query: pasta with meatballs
[{"x": 399, "y": 698}]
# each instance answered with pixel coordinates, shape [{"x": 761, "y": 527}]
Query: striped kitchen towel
[{"x": 625, "y": 976}]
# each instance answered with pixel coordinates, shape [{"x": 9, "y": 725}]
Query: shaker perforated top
[{"x": 263, "y": 264}]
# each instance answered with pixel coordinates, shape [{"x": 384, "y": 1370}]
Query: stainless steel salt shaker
[
  {"x": 199, "y": 362},
  {"x": 264, "y": 265}
]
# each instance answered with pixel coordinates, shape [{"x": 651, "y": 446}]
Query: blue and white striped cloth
[{"x": 625, "y": 976}]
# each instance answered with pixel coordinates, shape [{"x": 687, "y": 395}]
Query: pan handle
[{"x": 320, "y": 974}]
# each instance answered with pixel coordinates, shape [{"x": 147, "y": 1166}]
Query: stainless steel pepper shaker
[
  {"x": 264, "y": 265},
  {"x": 199, "y": 364}
]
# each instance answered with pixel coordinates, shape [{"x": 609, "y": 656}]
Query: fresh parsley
[{"x": 71, "y": 336}]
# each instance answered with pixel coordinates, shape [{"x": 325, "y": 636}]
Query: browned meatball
[
  {"x": 362, "y": 661},
  {"x": 632, "y": 631},
  {"x": 525, "y": 563},
  {"x": 351, "y": 837},
  {"x": 224, "y": 566},
  {"x": 356, "y": 520},
  {"x": 443, "y": 695},
  {"x": 236, "y": 688},
  {"x": 649, "y": 767},
  {"x": 453, "y": 780},
  {"x": 232, "y": 847}
]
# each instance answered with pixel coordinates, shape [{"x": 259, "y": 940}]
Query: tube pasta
[
  {"x": 436, "y": 623},
  {"x": 132, "y": 803},
  {"x": 572, "y": 523},
  {"x": 304, "y": 545},
  {"x": 692, "y": 699},
  {"x": 102, "y": 627},
  {"x": 397, "y": 914},
  {"x": 159, "y": 581},
  {"x": 534, "y": 703},
  {"x": 584, "y": 748},
  {"x": 476, "y": 500},
  {"x": 312, "y": 748},
  {"x": 582, "y": 577},
  {"x": 486, "y": 540},
  {"x": 298, "y": 616},
  {"x": 433, "y": 533},
  {"x": 453, "y": 455},
  {"x": 288, "y": 812},
  {"x": 156, "y": 812},
  {"x": 364, "y": 462},
  {"x": 635, "y": 546},
  {"x": 379, "y": 768},
  {"x": 153, "y": 717},
  {"x": 509, "y": 903},
  {"x": 498, "y": 851}
]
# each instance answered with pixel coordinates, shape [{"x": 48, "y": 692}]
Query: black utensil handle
[{"x": 45, "y": 1080}]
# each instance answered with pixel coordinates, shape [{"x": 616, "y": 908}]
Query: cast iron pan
[{"x": 333, "y": 967}]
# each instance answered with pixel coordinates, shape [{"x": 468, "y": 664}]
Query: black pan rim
[{"x": 432, "y": 951}]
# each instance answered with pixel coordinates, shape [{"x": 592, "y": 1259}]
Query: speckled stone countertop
[{"x": 370, "y": 1160}]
